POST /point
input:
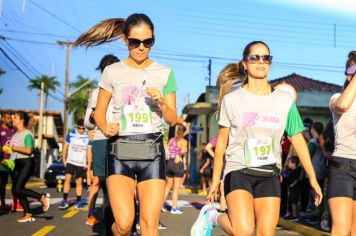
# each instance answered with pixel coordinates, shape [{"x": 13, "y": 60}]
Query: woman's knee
[
  {"x": 149, "y": 222},
  {"x": 123, "y": 226},
  {"x": 242, "y": 230}
]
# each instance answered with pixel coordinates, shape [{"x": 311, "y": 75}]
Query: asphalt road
[{"x": 72, "y": 222}]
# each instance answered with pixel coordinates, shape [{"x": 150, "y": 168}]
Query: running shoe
[
  {"x": 91, "y": 220},
  {"x": 48, "y": 202},
  {"x": 63, "y": 205},
  {"x": 16, "y": 206},
  {"x": 161, "y": 226},
  {"x": 79, "y": 205},
  {"x": 164, "y": 208},
  {"x": 176, "y": 211},
  {"x": 203, "y": 226},
  {"x": 26, "y": 219}
]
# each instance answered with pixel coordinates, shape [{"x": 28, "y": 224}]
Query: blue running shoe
[
  {"x": 63, "y": 205},
  {"x": 176, "y": 211},
  {"x": 203, "y": 226},
  {"x": 80, "y": 205}
]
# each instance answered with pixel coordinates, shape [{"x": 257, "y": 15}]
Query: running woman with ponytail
[
  {"x": 178, "y": 147},
  {"x": 143, "y": 93},
  {"x": 252, "y": 121},
  {"x": 342, "y": 172}
]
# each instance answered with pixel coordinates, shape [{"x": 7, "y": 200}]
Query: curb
[
  {"x": 29, "y": 185},
  {"x": 303, "y": 229}
]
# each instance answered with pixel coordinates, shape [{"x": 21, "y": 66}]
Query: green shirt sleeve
[
  {"x": 171, "y": 85},
  {"x": 29, "y": 141},
  {"x": 294, "y": 122}
]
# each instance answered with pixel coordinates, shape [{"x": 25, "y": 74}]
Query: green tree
[
  {"x": 2, "y": 72},
  {"x": 78, "y": 101},
  {"x": 51, "y": 84}
]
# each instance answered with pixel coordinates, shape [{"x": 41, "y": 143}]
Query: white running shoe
[{"x": 203, "y": 226}]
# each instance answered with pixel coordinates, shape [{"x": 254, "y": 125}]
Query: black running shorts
[{"x": 257, "y": 186}]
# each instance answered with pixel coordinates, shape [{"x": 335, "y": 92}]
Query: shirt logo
[{"x": 251, "y": 119}]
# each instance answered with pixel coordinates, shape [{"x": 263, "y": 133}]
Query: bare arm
[
  {"x": 220, "y": 152},
  {"x": 64, "y": 153},
  {"x": 184, "y": 147},
  {"x": 209, "y": 149},
  {"x": 166, "y": 103},
  {"x": 89, "y": 157},
  {"x": 343, "y": 103},
  {"x": 169, "y": 109},
  {"x": 22, "y": 150}
]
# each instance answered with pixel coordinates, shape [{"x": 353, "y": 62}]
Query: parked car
[{"x": 57, "y": 171}]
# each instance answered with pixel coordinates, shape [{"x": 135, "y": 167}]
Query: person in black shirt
[
  {"x": 205, "y": 169},
  {"x": 293, "y": 186}
]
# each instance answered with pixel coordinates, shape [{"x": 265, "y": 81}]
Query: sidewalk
[
  {"x": 301, "y": 228},
  {"x": 32, "y": 183}
]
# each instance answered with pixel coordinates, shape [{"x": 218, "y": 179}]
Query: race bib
[
  {"x": 136, "y": 119},
  {"x": 77, "y": 152},
  {"x": 259, "y": 152}
]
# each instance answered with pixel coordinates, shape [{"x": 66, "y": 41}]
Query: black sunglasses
[
  {"x": 135, "y": 43},
  {"x": 253, "y": 59},
  {"x": 81, "y": 128}
]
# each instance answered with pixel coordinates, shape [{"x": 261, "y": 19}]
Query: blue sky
[{"x": 188, "y": 33}]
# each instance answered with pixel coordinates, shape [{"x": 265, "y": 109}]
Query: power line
[
  {"x": 36, "y": 33},
  {"x": 25, "y": 74},
  {"x": 55, "y": 16}
]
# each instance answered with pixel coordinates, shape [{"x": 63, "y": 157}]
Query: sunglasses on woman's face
[
  {"x": 253, "y": 59},
  {"x": 135, "y": 43}
]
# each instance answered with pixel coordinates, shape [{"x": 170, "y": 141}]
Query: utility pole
[
  {"x": 209, "y": 71},
  {"x": 68, "y": 44},
  {"x": 40, "y": 133}
]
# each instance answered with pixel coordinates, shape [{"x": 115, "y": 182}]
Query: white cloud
[{"x": 339, "y": 6}]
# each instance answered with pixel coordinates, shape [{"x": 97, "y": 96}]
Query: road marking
[
  {"x": 70, "y": 214},
  {"x": 44, "y": 231}
]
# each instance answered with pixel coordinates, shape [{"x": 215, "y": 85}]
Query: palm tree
[
  {"x": 51, "y": 84},
  {"x": 78, "y": 101},
  {"x": 2, "y": 72}
]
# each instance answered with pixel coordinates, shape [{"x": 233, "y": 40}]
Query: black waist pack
[
  {"x": 262, "y": 171},
  {"x": 135, "y": 150}
]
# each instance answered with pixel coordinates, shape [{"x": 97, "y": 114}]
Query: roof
[{"x": 301, "y": 83}]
